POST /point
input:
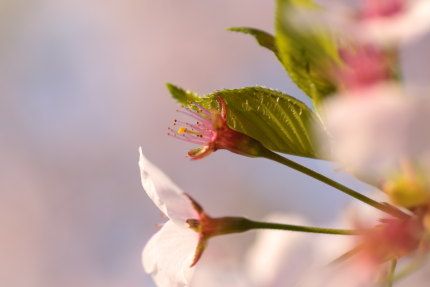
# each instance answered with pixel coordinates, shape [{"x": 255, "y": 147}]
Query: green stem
[
  {"x": 390, "y": 276},
  {"x": 412, "y": 267},
  {"x": 269, "y": 225},
  {"x": 347, "y": 255},
  {"x": 287, "y": 162}
]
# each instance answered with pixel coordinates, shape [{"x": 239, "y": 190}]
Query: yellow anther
[{"x": 185, "y": 130}]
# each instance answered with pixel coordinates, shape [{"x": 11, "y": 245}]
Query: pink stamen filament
[
  {"x": 202, "y": 131},
  {"x": 196, "y": 138},
  {"x": 199, "y": 133},
  {"x": 198, "y": 127},
  {"x": 202, "y": 110},
  {"x": 189, "y": 131},
  {"x": 193, "y": 140},
  {"x": 190, "y": 135},
  {"x": 181, "y": 137},
  {"x": 194, "y": 115}
]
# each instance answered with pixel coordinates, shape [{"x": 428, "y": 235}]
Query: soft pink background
[{"x": 82, "y": 86}]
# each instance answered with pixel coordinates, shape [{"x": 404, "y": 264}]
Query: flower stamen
[
  {"x": 182, "y": 130},
  {"x": 211, "y": 132}
]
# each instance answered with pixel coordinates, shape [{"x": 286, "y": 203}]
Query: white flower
[{"x": 169, "y": 254}]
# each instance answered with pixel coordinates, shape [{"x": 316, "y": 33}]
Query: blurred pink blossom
[
  {"x": 393, "y": 21},
  {"x": 380, "y": 22},
  {"x": 372, "y": 130}
]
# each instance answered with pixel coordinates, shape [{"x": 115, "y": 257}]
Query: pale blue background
[{"x": 82, "y": 86}]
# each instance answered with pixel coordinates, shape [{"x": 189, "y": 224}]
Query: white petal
[
  {"x": 371, "y": 132},
  {"x": 169, "y": 198},
  {"x": 169, "y": 254}
]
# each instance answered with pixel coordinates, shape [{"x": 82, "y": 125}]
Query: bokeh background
[{"x": 82, "y": 86}]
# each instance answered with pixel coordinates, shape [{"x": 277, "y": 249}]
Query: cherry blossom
[
  {"x": 212, "y": 132},
  {"x": 170, "y": 255}
]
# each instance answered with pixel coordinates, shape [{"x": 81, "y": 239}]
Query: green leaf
[
  {"x": 280, "y": 122},
  {"x": 307, "y": 53},
  {"x": 181, "y": 95},
  {"x": 263, "y": 38}
]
